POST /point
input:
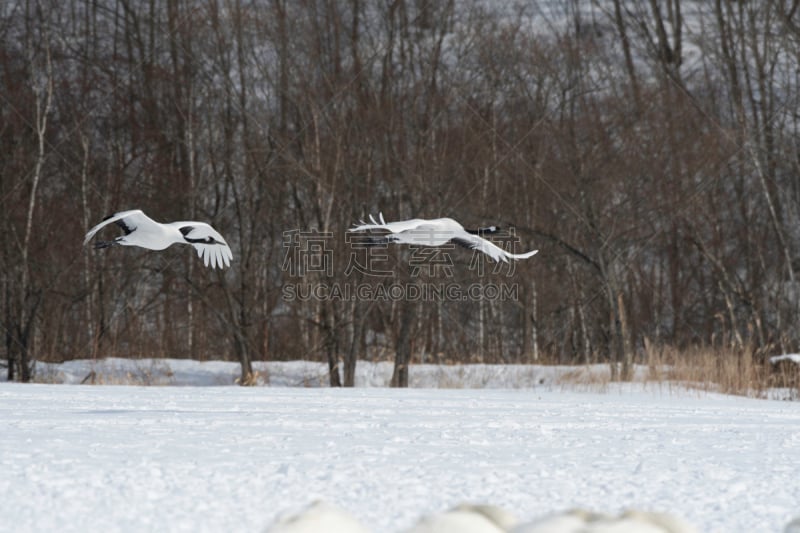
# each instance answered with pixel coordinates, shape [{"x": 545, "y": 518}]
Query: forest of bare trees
[{"x": 648, "y": 149}]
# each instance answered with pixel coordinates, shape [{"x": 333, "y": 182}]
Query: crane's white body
[
  {"x": 437, "y": 232},
  {"x": 141, "y": 230}
]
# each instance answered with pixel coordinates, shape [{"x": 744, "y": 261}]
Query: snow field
[{"x": 121, "y": 458}]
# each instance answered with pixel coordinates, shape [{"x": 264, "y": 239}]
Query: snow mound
[
  {"x": 793, "y": 357},
  {"x": 468, "y": 518},
  {"x": 582, "y": 521},
  {"x": 318, "y": 517}
]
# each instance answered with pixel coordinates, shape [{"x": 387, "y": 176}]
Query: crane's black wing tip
[
  {"x": 463, "y": 242},
  {"x": 127, "y": 228}
]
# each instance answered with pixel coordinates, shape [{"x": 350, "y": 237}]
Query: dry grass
[
  {"x": 586, "y": 378},
  {"x": 740, "y": 371},
  {"x": 150, "y": 373},
  {"x": 251, "y": 380}
]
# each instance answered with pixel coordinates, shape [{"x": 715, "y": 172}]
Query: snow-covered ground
[{"x": 129, "y": 458}]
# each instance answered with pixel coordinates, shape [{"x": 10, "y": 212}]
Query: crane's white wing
[
  {"x": 394, "y": 227},
  {"x": 477, "y": 242},
  {"x": 131, "y": 220},
  {"x": 429, "y": 233},
  {"x": 210, "y": 245}
]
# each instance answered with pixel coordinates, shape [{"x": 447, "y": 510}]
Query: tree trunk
[
  {"x": 331, "y": 332},
  {"x": 351, "y": 358},
  {"x": 403, "y": 347}
]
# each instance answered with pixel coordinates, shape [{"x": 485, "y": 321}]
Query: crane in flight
[
  {"x": 141, "y": 230},
  {"x": 436, "y": 232}
]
